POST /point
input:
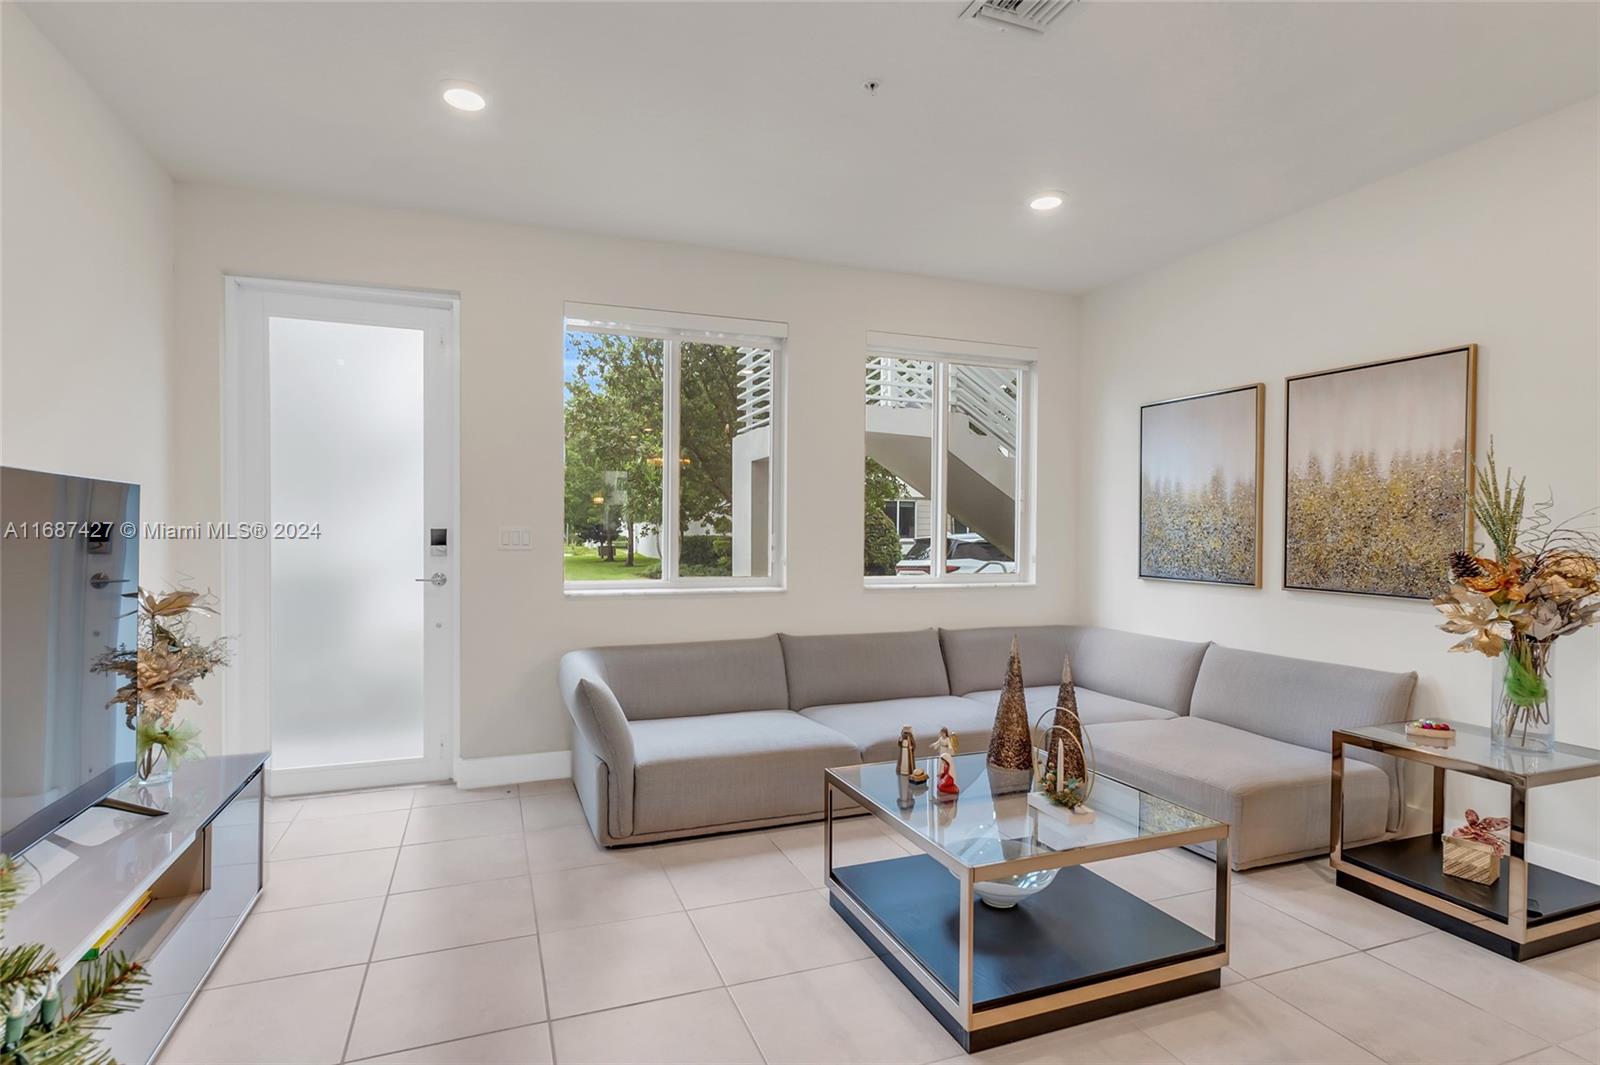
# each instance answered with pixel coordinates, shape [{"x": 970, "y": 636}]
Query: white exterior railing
[
  {"x": 987, "y": 397},
  {"x": 899, "y": 382},
  {"x": 984, "y": 394},
  {"x": 755, "y": 388}
]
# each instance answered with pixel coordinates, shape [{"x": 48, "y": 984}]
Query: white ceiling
[{"x": 746, "y": 126}]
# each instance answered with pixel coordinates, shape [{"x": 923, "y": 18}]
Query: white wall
[
  {"x": 1495, "y": 245},
  {"x": 513, "y": 281},
  {"x": 85, "y": 318}
]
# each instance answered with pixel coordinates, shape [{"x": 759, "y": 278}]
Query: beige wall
[
  {"x": 1495, "y": 245},
  {"x": 86, "y": 277},
  {"x": 513, "y": 281}
]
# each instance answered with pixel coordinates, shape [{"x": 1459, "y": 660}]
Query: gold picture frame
[
  {"x": 1369, "y": 433},
  {"x": 1185, "y": 445}
]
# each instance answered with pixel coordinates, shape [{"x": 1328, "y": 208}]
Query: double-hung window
[
  {"x": 948, "y": 439},
  {"x": 673, "y": 450}
]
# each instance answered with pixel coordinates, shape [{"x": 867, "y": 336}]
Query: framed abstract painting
[
  {"x": 1378, "y": 474},
  {"x": 1200, "y": 487}
]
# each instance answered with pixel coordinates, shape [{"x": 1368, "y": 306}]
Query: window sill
[
  {"x": 569, "y": 592},
  {"x": 891, "y": 583}
]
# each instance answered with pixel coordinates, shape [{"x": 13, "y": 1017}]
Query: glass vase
[
  {"x": 1518, "y": 723},
  {"x": 153, "y": 766}
]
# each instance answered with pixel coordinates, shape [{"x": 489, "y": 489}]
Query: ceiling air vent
[{"x": 1033, "y": 15}]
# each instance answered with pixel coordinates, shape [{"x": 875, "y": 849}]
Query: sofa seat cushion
[
  {"x": 1273, "y": 794},
  {"x": 874, "y": 727},
  {"x": 717, "y": 769},
  {"x": 1093, "y": 707}
]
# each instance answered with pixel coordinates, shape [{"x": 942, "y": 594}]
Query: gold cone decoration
[
  {"x": 1067, "y": 718},
  {"x": 1011, "y": 741}
]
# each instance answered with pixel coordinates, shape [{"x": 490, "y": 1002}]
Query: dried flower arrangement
[
  {"x": 1542, "y": 584},
  {"x": 160, "y": 674}
]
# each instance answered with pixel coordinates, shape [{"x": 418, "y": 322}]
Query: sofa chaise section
[
  {"x": 683, "y": 739},
  {"x": 1118, "y": 676},
  {"x": 1254, "y": 751}
]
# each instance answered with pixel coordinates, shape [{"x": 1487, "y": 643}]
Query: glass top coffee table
[{"x": 998, "y": 925}]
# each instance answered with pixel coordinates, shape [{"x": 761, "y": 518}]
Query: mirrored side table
[{"x": 1530, "y": 910}]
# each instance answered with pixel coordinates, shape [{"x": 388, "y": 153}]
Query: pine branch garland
[
  {"x": 109, "y": 985},
  {"x": 106, "y": 986},
  {"x": 29, "y": 967}
]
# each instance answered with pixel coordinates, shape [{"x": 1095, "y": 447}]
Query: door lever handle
[{"x": 437, "y": 579}]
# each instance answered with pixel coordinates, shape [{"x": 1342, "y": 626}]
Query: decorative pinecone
[{"x": 1464, "y": 565}]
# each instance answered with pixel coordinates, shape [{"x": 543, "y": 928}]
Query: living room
[{"x": 1196, "y": 355}]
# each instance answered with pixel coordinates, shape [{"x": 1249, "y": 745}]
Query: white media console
[{"x": 201, "y": 861}]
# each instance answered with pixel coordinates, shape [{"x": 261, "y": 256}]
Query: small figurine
[
  {"x": 907, "y": 765},
  {"x": 945, "y": 747},
  {"x": 918, "y": 775}
]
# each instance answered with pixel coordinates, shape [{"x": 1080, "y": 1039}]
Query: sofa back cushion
[
  {"x": 681, "y": 679},
  {"x": 863, "y": 668},
  {"x": 1296, "y": 700},
  {"x": 1152, "y": 670},
  {"x": 976, "y": 658}
]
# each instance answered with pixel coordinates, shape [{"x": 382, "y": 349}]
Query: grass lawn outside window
[{"x": 583, "y": 563}]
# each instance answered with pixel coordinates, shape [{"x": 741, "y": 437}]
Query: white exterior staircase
[{"x": 982, "y": 462}]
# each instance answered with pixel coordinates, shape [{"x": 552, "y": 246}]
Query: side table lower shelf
[{"x": 1396, "y": 872}]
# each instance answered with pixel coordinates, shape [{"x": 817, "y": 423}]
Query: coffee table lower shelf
[{"x": 1079, "y": 950}]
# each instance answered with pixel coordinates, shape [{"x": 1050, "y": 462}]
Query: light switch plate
[{"x": 515, "y": 539}]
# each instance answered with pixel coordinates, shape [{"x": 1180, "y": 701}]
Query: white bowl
[{"x": 1005, "y": 893}]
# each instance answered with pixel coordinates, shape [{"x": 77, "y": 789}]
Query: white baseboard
[
  {"x": 513, "y": 769},
  {"x": 1565, "y": 862}
]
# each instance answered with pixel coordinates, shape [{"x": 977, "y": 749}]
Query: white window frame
[
  {"x": 673, "y": 328},
  {"x": 943, "y": 353}
]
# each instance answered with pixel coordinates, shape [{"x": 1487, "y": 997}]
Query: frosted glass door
[{"x": 349, "y": 617}]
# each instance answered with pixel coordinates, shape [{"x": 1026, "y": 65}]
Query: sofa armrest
[{"x": 598, "y": 717}]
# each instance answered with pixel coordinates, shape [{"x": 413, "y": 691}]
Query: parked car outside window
[{"x": 964, "y": 553}]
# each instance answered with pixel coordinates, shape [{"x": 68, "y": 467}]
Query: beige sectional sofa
[{"x": 685, "y": 739}]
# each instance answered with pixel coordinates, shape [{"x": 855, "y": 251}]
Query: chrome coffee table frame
[{"x": 977, "y": 1024}]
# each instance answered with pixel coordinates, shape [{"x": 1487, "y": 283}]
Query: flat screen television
[{"x": 69, "y": 561}]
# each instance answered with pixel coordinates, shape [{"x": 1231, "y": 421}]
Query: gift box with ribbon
[{"x": 1473, "y": 851}]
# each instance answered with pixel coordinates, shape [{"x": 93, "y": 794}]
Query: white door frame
[{"x": 246, "y": 498}]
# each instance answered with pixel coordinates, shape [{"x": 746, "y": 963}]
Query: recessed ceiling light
[
  {"x": 464, "y": 97},
  {"x": 1046, "y": 201}
]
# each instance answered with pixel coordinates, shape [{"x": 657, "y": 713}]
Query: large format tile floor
[{"x": 434, "y": 925}]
